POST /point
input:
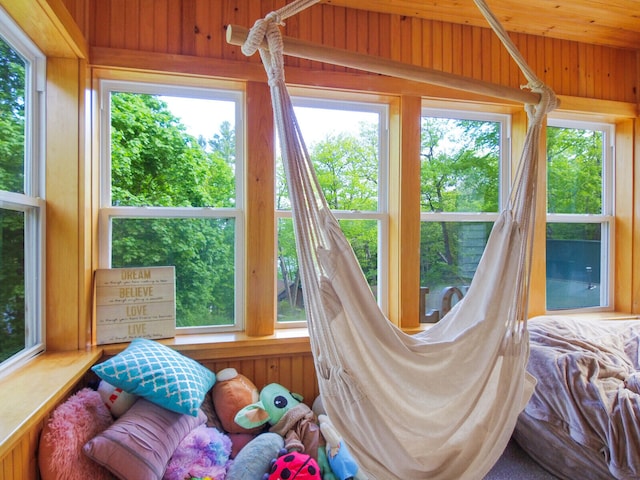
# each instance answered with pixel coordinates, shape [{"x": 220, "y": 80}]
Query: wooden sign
[{"x": 135, "y": 302}]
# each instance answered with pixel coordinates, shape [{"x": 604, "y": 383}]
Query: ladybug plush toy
[{"x": 294, "y": 465}]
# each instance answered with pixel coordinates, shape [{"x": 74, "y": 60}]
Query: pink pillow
[
  {"x": 140, "y": 443},
  {"x": 75, "y": 421}
]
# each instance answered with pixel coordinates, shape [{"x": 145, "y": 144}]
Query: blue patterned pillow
[{"x": 159, "y": 374}]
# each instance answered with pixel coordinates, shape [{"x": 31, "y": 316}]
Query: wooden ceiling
[{"x": 603, "y": 22}]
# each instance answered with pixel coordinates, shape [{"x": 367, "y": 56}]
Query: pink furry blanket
[{"x": 72, "y": 424}]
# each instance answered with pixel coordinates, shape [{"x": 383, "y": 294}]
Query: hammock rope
[{"x": 440, "y": 404}]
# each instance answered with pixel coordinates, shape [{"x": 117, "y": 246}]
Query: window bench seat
[{"x": 29, "y": 394}]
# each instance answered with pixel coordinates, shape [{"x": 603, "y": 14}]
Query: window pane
[
  {"x": 12, "y": 119},
  {"x": 165, "y": 153},
  {"x": 460, "y": 165},
  {"x": 203, "y": 253},
  {"x": 12, "y": 279},
  {"x": 574, "y": 170},
  {"x": 361, "y": 234},
  {"x": 343, "y": 145},
  {"x": 449, "y": 255},
  {"x": 573, "y": 265}
]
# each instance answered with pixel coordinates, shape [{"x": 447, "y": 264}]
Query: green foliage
[
  {"x": 459, "y": 173},
  {"x": 12, "y": 104},
  {"x": 347, "y": 169},
  {"x": 12, "y": 294},
  {"x": 12, "y": 261},
  {"x": 574, "y": 177},
  {"x": 155, "y": 162}
]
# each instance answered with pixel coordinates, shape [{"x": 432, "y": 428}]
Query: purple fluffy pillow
[
  {"x": 75, "y": 421},
  {"x": 204, "y": 452}
]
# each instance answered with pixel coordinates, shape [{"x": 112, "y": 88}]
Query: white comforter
[{"x": 583, "y": 421}]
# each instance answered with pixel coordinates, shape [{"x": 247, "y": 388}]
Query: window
[
  {"x": 348, "y": 144},
  {"x": 171, "y": 193},
  {"x": 464, "y": 183},
  {"x": 579, "y": 214},
  {"x": 22, "y": 209}
]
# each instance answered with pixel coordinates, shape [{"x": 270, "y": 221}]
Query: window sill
[
  {"x": 236, "y": 345},
  {"x": 33, "y": 390}
]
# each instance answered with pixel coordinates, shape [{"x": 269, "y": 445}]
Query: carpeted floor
[{"x": 515, "y": 464}]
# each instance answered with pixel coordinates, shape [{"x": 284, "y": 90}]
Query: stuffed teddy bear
[
  {"x": 290, "y": 418},
  {"x": 232, "y": 392},
  {"x": 292, "y": 465}
]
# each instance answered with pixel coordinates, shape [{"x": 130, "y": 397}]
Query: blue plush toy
[{"x": 341, "y": 462}]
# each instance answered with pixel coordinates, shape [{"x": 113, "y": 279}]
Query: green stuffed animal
[{"x": 290, "y": 418}]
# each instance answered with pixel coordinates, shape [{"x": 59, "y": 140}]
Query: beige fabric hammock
[{"x": 440, "y": 404}]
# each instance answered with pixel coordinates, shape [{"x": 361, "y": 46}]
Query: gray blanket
[{"x": 583, "y": 421}]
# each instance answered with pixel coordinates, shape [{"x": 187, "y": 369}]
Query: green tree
[
  {"x": 12, "y": 141},
  {"x": 155, "y": 162},
  {"x": 574, "y": 179},
  {"x": 459, "y": 173},
  {"x": 347, "y": 169}
]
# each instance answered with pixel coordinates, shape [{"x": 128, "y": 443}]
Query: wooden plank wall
[{"x": 196, "y": 28}]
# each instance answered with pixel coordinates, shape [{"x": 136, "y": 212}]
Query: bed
[{"x": 583, "y": 420}]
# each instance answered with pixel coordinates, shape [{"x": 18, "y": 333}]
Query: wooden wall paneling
[
  {"x": 625, "y": 256},
  {"x": 260, "y": 297},
  {"x": 188, "y": 22},
  {"x": 477, "y": 49},
  {"x": 447, "y": 42},
  {"x": 635, "y": 290},
  {"x": 292, "y": 28},
  {"x": 174, "y": 27},
  {"x": 351, "y": 33},
  {"x": 146, "y": 25},
  {"x": 457, "y": 52},
  {"x": 417, "y": 44},
  {"x": 597, "y": 71},
  {"x": 101, "y": 34},
  {"x": 374, "y": 33},
  {"x": 63, "y": 222},
  {"x": 589, "y": 55},
  {"x": 404, "y": 212},
  {"x": 160, "y": 26},
  {"x": 462, "y": 51},
  {"x": 118, "y": 13},
  {"x": 301, "y": 27},
  {"x": 405, "y": 45},
  {"x": 574, "y": 71},
  {"x": 557, "y": 71},
  {"x": 328, "y": 32},
  {"x": 505, "y": 63},
  {"x": 88, "y": 191},
  {"x": 384, "y": 37},
  {"x": 201, "y": 26},
  {"x": 426, "y": 46},
  {"x": 496, "y": 51},
  {"x": 315, "y": 29},
  {"x": 487, "y": 64},
  {"x": 130, "y": 23},
  {"x": 436, "y": 45},
  {"x": 537, "y": 291},
  {"x": 364, "y": 40}
]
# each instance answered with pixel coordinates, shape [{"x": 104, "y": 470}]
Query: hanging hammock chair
[{"x": 440, "y": 404}]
